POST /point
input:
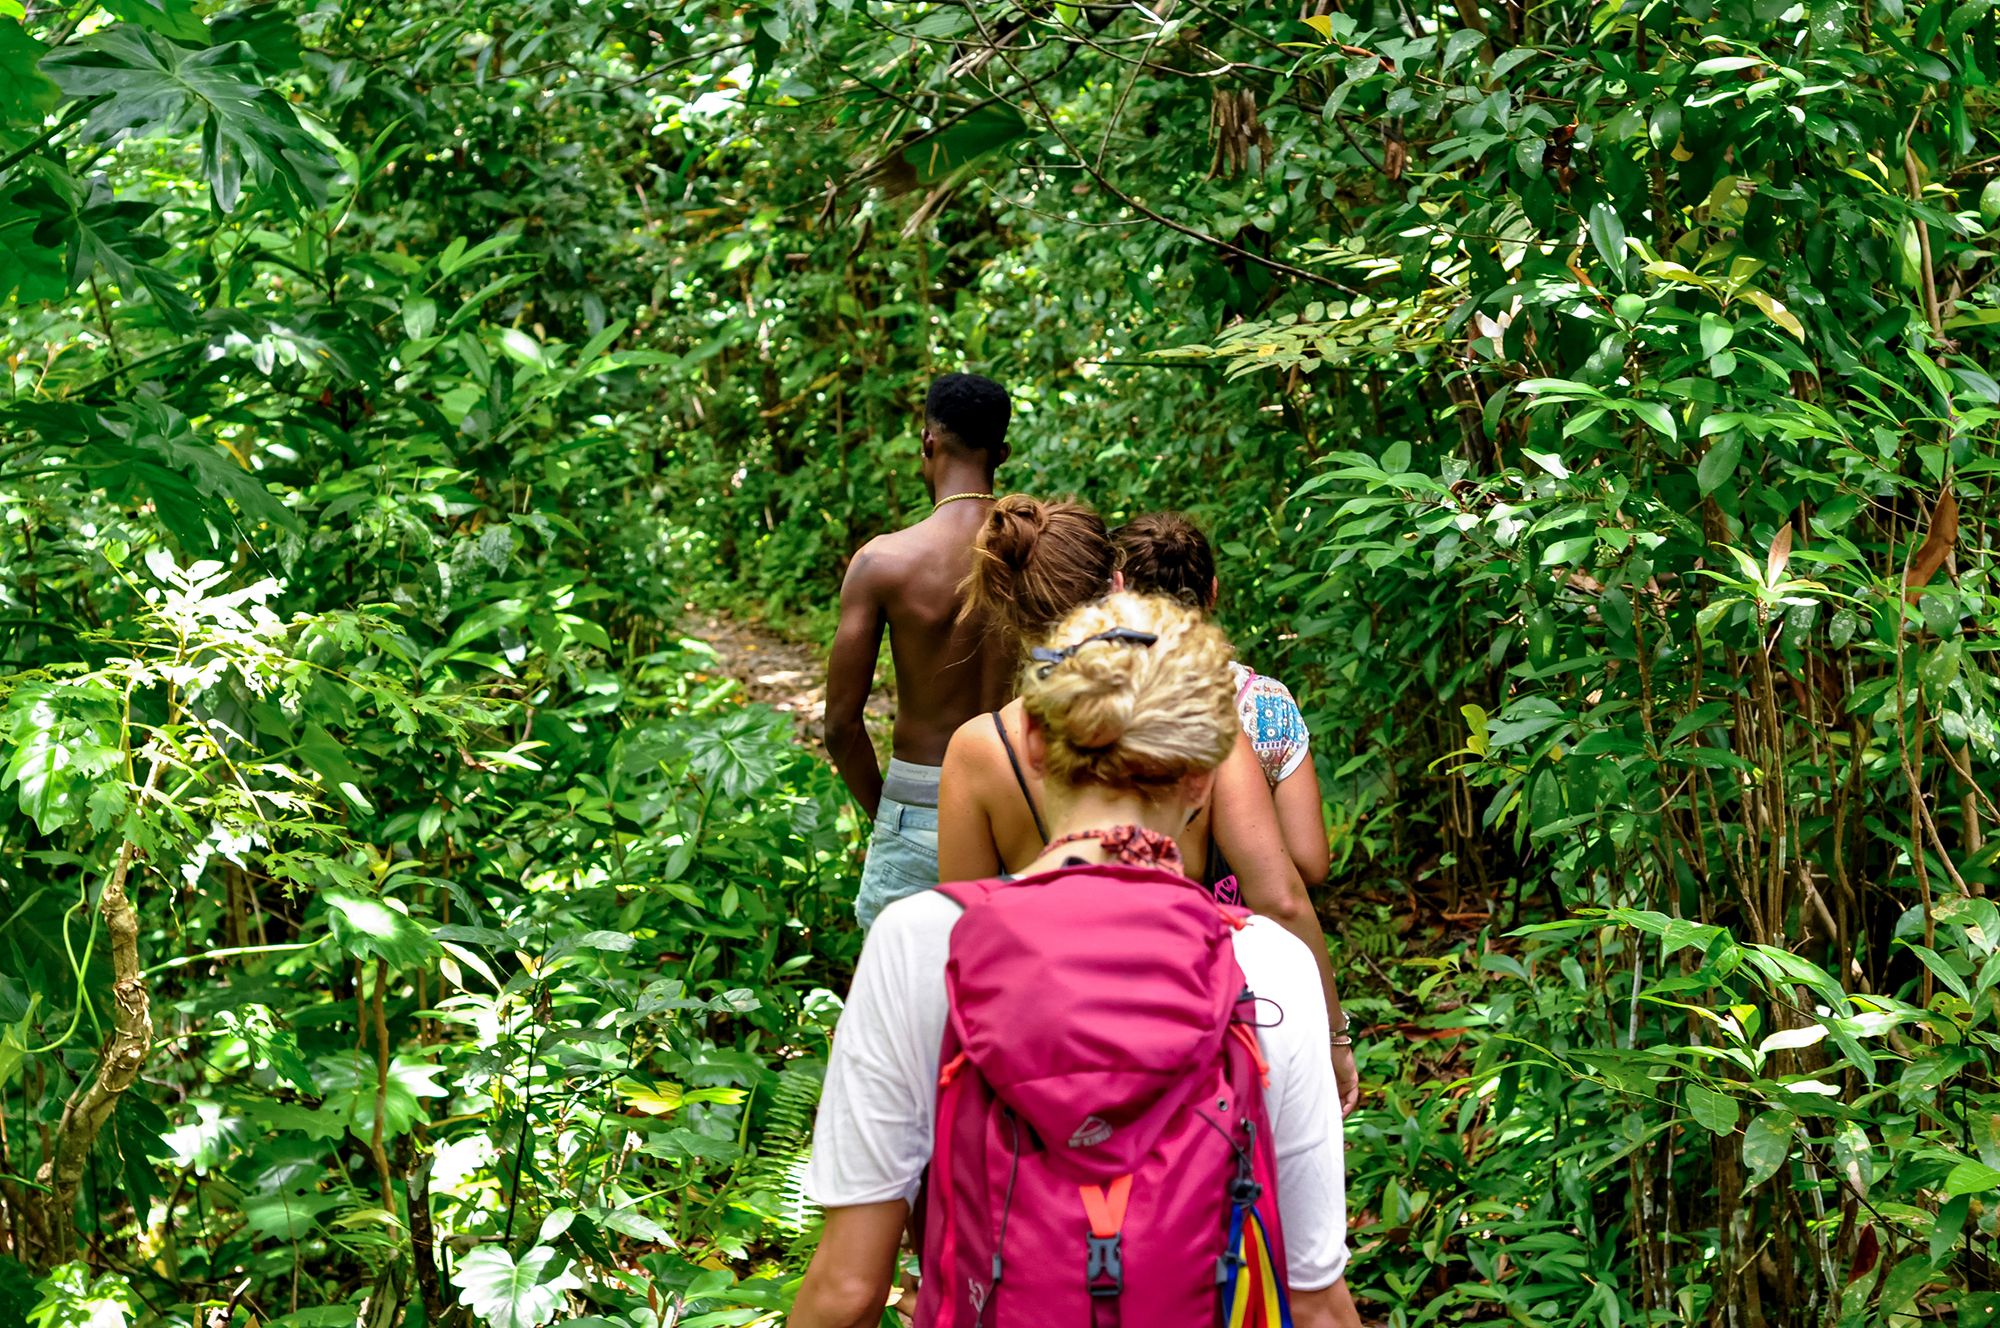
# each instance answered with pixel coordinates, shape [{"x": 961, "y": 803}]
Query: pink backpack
[{"x": 1102, "y": 1156}]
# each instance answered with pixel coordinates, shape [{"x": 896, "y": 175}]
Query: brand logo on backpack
[{"x": 1091, "y": 1133}]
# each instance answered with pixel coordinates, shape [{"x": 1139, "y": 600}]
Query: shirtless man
[{"x": 946, "y": 669}]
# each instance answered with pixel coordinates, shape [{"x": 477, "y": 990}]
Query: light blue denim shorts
[{"x": 902, "y": 854}]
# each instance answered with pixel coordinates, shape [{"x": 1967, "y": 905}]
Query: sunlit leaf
[{"x": 506, "y": 1294}]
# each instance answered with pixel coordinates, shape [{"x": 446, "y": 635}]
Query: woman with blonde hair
[
  {"x": 1114, "y": 1084},
  {"x": 1033, "y": 563}
]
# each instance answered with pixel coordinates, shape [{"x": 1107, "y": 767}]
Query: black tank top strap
[
  {"x": 1216, "y": 869},
  {"x": 1020, "y": 777}
]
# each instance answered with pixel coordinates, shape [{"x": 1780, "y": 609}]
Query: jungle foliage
[{"x": 403, "y": 921}]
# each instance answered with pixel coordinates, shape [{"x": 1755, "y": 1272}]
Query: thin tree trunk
[{"x": 51, "y": 1213}]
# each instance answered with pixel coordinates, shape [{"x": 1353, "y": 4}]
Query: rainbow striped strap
[{"x": 1255, "y": 1292}]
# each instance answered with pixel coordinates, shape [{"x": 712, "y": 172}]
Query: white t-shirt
[{"x": 877, "y": 1114}]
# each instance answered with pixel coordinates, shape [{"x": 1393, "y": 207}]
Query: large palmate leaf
[
  {"x": 350, "y": 1083},
  {"x": 145, "y": 449},
  {"x": 163, "y": 434},
  {"x": 105, "y": 237},
  {"x": 152, "y": 86},
  {"x": 506, "y": 1294},
  {"x": 741, "y": 752}
]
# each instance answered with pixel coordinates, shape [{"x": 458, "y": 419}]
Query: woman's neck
[{"x": 1094, "y": 807}]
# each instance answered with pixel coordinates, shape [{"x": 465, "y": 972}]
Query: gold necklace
[{"x": 956, "y": 498}]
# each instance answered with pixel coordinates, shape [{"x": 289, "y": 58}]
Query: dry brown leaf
[
  {"x": 1781, "y": 554},
  {"x": 1937, "y": 546},
  {"x": 1395, "y": 154}
]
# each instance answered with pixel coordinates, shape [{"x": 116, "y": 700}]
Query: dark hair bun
[{"x": 1164, "y": 553}]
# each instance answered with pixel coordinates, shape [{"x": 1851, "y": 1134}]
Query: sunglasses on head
[{"x": 1048, "y": 657}]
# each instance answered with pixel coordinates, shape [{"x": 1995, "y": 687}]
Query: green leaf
[
  {"x": 328, "y": 759},
  {"x": 1852, "y": 1157},
  {"x": 377, "y": 928},
  {"x": 506, "y": 1294},
  {"x": 1726, "y": 64},
  {"x": 287, "y": 1214},
  {"x": 937, "y": 157},
  {"x": 1460, "y": 45},
  {"x": 1792, "y": 1038},
  {"x": 34, "y": 245},
  {"x": 59, "y": 741},
  {"x": 1607, "y": 236},
  {"x": 1714, "y": 1111},
  {"x": 1949, "y": 1223},
  {"x": 1656, "y": 417},
  {"x": 1767, "y": 1141},
  {"x": 170, "y": 18},
  {"x": 631, "y": 1222},
  {"x": 1567, "y": 552},
  {"x": 158, "y": 431},
  {"x": 1970, "y": 1177},
  {"x": 14, "y": 1041},
  {"x": 1548, "y": 461},
  {"x": 420, "y": 314},
  {"x": 349, "y": 1080},
  {"x": 150, "y": 85},
  {"x": 522, "y": 348},
  {"x": 1718, "y": 463},
  {"x": 1715, "y": 334},
  {"x": 105, "y": 236},
  {"x": 26, "y": 93},
  {"x": 1944, "y": 972}
]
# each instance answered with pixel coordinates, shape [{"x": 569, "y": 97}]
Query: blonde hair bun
[{"x": 1124, "y": 714}]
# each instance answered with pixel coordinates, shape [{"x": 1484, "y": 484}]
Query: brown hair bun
[{"x": 1034, "y": 561}]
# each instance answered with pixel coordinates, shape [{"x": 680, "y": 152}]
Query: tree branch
[{"x": 1104, "y": 182}]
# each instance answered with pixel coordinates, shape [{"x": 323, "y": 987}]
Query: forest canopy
[{"x": 408, "y": 917}]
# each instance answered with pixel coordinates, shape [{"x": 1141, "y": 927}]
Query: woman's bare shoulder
[{"x": 977, "y": 738}]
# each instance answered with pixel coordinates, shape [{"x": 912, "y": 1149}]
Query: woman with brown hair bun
[{"x": 1033, "y": 563}]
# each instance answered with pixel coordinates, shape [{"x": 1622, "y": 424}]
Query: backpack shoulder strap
[
  {"x": 967, "y": 893},
  {"x": 1000, "y": 727}
]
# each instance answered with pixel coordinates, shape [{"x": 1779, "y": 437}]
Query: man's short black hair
[{"x": 973, "y": 410}]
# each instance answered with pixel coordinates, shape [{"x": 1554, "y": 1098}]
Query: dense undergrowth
[{"x": 402, "y": 922}]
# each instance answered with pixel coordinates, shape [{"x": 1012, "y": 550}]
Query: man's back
[{"x": 948, "y": 667}]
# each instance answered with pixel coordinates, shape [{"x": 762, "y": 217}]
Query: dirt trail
[{"x": 784, "y": 674}]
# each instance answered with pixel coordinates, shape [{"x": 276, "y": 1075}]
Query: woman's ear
[
  {"x": 1117, "y": 580},
  {"x": 1034, "y": 742},
  {"x": 1214, "y": 590},
  {"x": 1196, "y": 790}
]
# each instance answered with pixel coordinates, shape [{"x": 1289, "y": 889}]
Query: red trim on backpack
[
  {"x": 1106, "y": 1207},
  {"x": 1242, "y": 1033},
  {"x": 950, "y": 1071}
]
